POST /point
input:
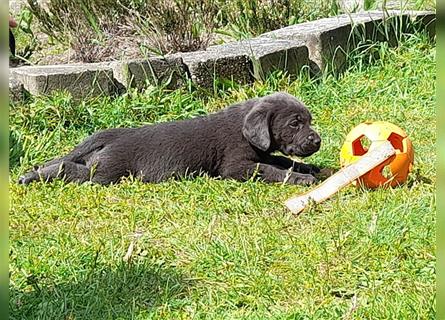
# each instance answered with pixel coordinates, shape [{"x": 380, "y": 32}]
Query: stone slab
[
  {"x": 169, "y": 71},
  {"x": 330, "y": 39},
  {"x": 418, "y": 21},
  {"x": 16, "y": 90},
  {"x": 206, "y": 66},
  {"x": 80, "y": 80},
  {"x": 243, "y": 61},
  {"x": 269, "y": 55}
]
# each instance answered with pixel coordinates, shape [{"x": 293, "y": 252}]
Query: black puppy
[{"x": 233, "y": 143}]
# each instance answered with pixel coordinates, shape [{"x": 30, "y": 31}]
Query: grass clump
[
  {"x": 89, "y": 28},
  {"x": 243, "y": 19},
  {"x": 221, "y": 249},
  {"x": 177, "y": 26},
  {"x": 97, "y": 30}
]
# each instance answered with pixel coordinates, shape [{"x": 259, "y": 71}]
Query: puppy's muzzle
[
  {"x": 310, "y": 145},
  {"x": 313, "y": 141}
]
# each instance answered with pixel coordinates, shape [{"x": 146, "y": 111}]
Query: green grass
[{"x": 221, "y": 249}]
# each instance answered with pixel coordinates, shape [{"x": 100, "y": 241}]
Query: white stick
[{"x": 343, "y": 177}]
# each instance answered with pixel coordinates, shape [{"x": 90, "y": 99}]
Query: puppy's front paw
[
  {"x": 308, "y": 168},
  {"x": 324, "y": 173},
  {"x": 303, "y": 179},
  {"x": 308, "y": 179}
]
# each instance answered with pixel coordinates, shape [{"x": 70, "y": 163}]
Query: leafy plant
[
  {"x": 86, "y": 26},
  {"x": 90, "y": 27},
  {"x": 177, "y": 25},
  {"x": 26, "y": 39},
  {"x": 250, "y": 18}
]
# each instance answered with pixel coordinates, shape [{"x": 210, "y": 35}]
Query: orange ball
[{"x": 368, "y": 135}]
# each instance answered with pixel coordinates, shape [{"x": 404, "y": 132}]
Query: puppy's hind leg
[{"x": 67, "y": 170}]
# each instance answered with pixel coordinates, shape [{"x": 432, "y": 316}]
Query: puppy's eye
[
  {"x": 298, "y": 117},
  {"x": 293, "y": 124}
]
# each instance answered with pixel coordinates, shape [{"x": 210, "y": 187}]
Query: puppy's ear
[{"x": 256, "y": 126}]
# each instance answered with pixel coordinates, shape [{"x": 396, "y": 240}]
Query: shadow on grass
[
  {"x": 416, "y": 177},
  {"x": 102, "y": 294}
]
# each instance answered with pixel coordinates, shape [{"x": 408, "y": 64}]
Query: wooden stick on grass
[{"x": 342, "y": 178}]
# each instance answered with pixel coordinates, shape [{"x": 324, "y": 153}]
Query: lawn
[{"x": 221, "y": 249}]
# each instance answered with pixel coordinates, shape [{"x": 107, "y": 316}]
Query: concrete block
[
  {"x": 330, "y": 39},
  {"x": 421, "y": 21},
  {"x": 206, "y": 66},
  {"x": 268, "y": 55},
  {"x": 243, "y": 61},
  {"x": 155, "y": 71},
  {"x": 16, "y": 90},
  {"x": 80, "y": 80}
]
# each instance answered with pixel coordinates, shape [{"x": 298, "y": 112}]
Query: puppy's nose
[{"x": 315, "y": 139}]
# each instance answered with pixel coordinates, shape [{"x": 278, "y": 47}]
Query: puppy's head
[{"x": 281, "y": 122}]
